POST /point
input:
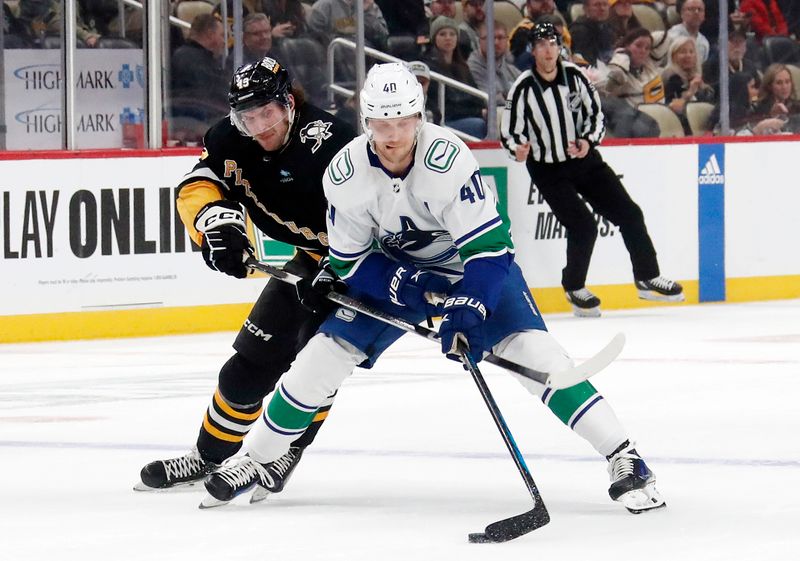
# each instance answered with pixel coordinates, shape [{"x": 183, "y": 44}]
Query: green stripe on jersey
[
  {"x": 284, "y": 415},
  {"x": 342, "y": 268},
  {"x": 565, "y": 402},
  {"x": 495, "y": 240}
]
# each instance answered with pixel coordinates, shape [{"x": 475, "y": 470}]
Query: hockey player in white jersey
[{"x": 409, "y": 217}]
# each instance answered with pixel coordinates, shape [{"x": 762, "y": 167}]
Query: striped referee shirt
[{"x": 550, "y": 115}]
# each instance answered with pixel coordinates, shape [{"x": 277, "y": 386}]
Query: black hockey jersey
[{"x": 281, "y": 190}]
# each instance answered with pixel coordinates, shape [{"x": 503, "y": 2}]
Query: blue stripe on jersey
[
  {"x": 348, "y": 256},
  {"x": 479, "y": 230}
]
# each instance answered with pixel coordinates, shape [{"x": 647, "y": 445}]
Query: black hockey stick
[
  {"x": 521, "y": 524},
  {"x": 555, "y": 380}
]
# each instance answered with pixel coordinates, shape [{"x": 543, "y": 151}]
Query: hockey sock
[
  {"x": 224, "y": 427},
  {"x": 316, "y": 424},
  {"x": 584, "y": 410}
]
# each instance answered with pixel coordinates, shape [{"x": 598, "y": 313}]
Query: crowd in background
[{"x": 656, "y": 64}]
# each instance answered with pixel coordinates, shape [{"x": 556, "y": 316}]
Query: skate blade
[
  {"x": 656, "y": 297},
  {"x": 638, "y": 501},
  {"x": 210, "y": 502},
  {"x": 586, "y": 312},
  {"x": 259, "y": 495},
  {"x": 189, "y": 486}
]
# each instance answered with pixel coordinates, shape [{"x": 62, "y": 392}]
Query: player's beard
[{"x": 397, "y": 159}]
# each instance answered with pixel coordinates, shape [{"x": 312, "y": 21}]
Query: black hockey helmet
[
  {"x": 543, "y": 30},
  {"x": 259, "y": 83}
]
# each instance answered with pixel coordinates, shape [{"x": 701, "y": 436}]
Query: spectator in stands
[
  {"x": 38, "y": 19},
  {"x": 743, "y": 119},
  {"x": 683, "y": 79},
  {"x": 693, "y": 13},
  {"x": 622, "y": 19},
  {"x": 592, "y": 34},
  {"x": 473, "y": 17},
  {"x": 737, "y": 63},
  {"x": 632, "y": 76},
  {"x": 791, "y": 12},
  {"x": 446, "y": 8},
  {"x": 505, "y": 71},
  {"x": 337, "y": 18},
  {"x": 766, "y": 17},
  {"x": 257, "y": 41},
  {"x": 423, "y": 74},
  {"x": 463, "y": 112},
  {"x": 777, "y": 97},
  {"x": 199, "y": 84},
  {"x": 406, "y": 18},
  {"x": 288, "y": 18},
  {"x": 519, "y": 38}
]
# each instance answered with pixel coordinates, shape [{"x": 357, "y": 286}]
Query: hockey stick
[
  {"x": 521, "y": 524},
  {"x": 556, "y": 380}
]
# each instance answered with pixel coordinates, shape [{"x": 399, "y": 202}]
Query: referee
[{"x": 553, "y": 122}]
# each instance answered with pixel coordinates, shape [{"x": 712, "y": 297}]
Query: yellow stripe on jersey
[
  {"x": 321, "y": 416},
  {"x": 191, "y": 198},
  {"x": 216, "y": 433},
  {"x": 233, "y": 412}
]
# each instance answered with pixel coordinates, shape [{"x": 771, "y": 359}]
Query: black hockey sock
[{"x": 224, "y": 427}]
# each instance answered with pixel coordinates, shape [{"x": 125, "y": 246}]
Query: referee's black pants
[{"x": 563, "y": 184}]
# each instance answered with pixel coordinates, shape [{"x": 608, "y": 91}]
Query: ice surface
[{"x": 409, "y": 462}]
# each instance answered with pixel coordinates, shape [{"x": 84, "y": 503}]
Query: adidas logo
[{"x": 711, "y": 174}]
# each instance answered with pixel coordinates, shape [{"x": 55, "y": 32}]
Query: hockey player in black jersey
[{"x": 266, "y": 160}]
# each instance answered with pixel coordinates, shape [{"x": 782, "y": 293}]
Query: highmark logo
[{"x": 711, "y": 174}]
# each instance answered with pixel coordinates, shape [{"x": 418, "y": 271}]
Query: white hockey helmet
[{"x": 391, "y": 91}]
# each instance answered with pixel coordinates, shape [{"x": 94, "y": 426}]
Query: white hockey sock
[{"x": 317, "y": 372}]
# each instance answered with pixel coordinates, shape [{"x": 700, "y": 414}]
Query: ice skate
[
  {"x": 584, "y": 303},
  {"x": 660, "y": 289},
  {"x": 183, "y": 471},
  {"x": 632, "y": 483},
  {"x": 237, "y": 477},
  {"x": 281, "y": 469}
]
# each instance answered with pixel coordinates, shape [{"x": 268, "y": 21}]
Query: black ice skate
[
  {"x": 584, "y": 303},
  {"x": 176, "y": 472},
  {"x": 632, "y": 482},
  {"x": 660, "y": 289},
  {"x": 239, "y": 476}
]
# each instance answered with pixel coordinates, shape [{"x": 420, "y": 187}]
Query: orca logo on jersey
[{"x": 421, "y": 247}]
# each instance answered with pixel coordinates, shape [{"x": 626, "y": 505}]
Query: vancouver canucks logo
[
  {"x": 316, "y": 131},
  {"x": 421, "y": 247}
]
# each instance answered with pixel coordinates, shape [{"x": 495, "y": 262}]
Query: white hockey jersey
[{"x": 437, "y": 217}]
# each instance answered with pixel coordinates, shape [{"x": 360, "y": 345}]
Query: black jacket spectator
[
  {"x": 593, "y": 40},
  {"x": 405, "y": 17}
]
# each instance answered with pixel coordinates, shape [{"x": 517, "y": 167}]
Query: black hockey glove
[
  {"x": 462, "y": 323},
  {"x": 225, "y": 243},
  {"x": 311, "y": 293}
]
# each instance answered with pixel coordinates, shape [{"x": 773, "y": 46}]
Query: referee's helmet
[{"x": 543, "y": 30}]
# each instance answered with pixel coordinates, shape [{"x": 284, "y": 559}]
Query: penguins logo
[{"x": 316, "y": 131}]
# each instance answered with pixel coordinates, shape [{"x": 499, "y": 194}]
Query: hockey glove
[
  {"x": 409, "y": 286},
  {"x": 225, "y": 244},
  {"x": 312, "y": 293},
  {"x": 462, "y": 323}
]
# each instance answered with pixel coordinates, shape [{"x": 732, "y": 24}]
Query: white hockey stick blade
[{"x": 585, "y": 370}]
